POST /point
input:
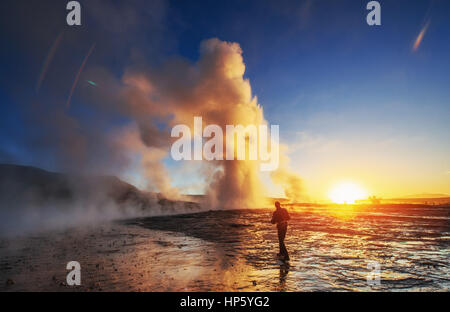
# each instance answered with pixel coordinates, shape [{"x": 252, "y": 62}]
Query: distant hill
[
  {"x": 419, "y": 200},
  {"x": 24, "y": 184},
  {"x": 427, "y": 195},
  {"x": 31, "y": 195}
]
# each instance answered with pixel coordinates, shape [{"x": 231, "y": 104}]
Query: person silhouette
[{"x": 281, "y": 217}]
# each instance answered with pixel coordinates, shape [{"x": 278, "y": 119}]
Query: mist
[{"x": 34, "y": 200}]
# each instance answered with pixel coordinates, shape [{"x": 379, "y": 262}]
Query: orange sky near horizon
[{"x": 388, "y": 169}]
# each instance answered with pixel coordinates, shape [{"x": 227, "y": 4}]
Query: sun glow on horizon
[{"x": 347, "y": 193}]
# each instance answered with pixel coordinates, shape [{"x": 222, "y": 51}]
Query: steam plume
[{"x": 214, "y": 88}]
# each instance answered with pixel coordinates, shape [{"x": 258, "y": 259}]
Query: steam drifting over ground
[
  {"x": 33, "y": 200},
  {"x": 151, "y": 100}
]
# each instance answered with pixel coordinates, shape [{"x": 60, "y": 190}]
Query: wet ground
[{"x": 330, "y": 250}]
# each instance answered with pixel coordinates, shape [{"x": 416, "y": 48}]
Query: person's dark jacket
[{"x": 280, "y": 216}]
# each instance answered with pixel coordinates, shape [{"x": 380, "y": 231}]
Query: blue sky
[{"x": 352, "y": 101}]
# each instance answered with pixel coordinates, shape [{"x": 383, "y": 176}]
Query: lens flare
[
  {"x": 48, "y": 60},
  {"x": 78, "y": 75},
  {"x": 420, "y": 37}
]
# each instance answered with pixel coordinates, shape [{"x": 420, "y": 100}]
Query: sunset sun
[{"x": 347, "y": 193}]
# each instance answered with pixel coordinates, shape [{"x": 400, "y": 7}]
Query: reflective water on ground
[{"x": 235, "y": 250}]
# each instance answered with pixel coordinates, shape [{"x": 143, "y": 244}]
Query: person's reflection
[{"x": 284, "y": 270}]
